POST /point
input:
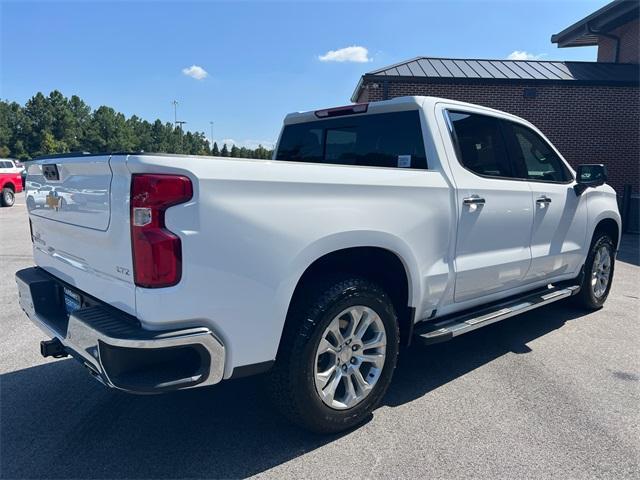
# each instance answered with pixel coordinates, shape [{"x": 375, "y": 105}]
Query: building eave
[
  {"x": 368, "y": 79},
  {"x": 585, "y": 31}
]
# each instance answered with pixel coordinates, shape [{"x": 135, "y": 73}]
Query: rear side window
[
  {"x": 480, "y": 144},
  {"x": 376, "y": 140},
  {"x": 541, "y": 161}
]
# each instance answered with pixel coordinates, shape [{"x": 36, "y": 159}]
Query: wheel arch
[
  {"x": 610, "y": 226},
  {"x": 9, "y": 185},
  {"x": 379, "y": 264}
]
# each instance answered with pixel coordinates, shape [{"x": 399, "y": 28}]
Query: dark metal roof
[
  {"x": 585, "y": 32},
  {"x": 432, "y": 70}
]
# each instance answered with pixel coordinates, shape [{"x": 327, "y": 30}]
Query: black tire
[
  {"x": 8, "y": 198},
  {"x": 291, "y": 383},
  {"x": 587, "y": 297}
]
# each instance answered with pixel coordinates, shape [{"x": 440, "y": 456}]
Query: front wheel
[
  {"x": 598, "y": 273},
  {"x": 337, "y": 355},
  {"x": 8, "y": 198}
]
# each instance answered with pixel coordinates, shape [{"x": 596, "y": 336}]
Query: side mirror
[{"x": 590, "y": 175}]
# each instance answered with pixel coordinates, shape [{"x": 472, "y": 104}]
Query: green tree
[
  {"x": 6, "y": 132},
  {"x": 40, "y": 119},
  {"x": 141, "y": 134},
  {"x": 81, "y": 113},
  {"x": 262, "y": 152},
  {"x": 108, "y": 132},
  {"x": 48, "y": 143},
  {"x": 57, "y": 124}
]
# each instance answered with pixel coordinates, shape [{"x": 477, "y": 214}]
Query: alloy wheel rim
[
  {"x": 601, "y": 271},
  {"x": 350, "y": 357}
]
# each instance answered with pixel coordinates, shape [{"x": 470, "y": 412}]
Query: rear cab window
[{"x": 392, "y": 140}]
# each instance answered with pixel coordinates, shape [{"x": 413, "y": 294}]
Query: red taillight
[{"x": 157, "y": 252}]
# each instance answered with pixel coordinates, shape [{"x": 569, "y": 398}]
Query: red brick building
[{"x": 589, "y": 110}]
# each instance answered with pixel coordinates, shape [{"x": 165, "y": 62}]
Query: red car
[{"x": 10, "y": 184}]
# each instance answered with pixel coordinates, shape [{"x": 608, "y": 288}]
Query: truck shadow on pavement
[
  {"x": 629, "y": 250},
  {"x": 57, "y": 422},
  {"x": 423, "y": 369}
]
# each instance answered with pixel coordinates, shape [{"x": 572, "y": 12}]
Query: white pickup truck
[{"x": 375, "y": 224}]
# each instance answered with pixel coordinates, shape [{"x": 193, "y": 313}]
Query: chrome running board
[{"x": 449, "y": 327}]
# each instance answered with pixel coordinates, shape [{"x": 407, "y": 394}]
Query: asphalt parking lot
[{"x": 552, "y": 393}]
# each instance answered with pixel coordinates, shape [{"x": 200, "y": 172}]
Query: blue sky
[{"x": 262, "y": 59}]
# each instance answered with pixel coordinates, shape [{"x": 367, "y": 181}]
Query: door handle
[
  {"x": 473, "y": 200},
  {"x": 543, "y": 199}
]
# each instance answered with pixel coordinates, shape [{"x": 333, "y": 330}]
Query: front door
[
  {"x": 495, "y": 209},
  {"x": 559, "y": 222}
]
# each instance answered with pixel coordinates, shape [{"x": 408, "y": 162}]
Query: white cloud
[
  {"x": 347, "y": 54},
  {"x": 522, "y": 55},
  {"x": 195, "y": 71}
]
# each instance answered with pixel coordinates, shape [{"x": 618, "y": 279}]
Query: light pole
[
  {"x": 175, "y": 113},
  {"x": 211, "y": 144}
]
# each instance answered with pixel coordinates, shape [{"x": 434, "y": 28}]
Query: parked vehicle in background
[
  {"x": 9, "y": 165},
  {"x": 375, "y": 224},
  {"x": 11, "y": 181}
]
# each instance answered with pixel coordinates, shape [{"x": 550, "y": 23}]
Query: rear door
[
  {"x": 559, "y": 221},
  {"x": 495, "y": 208}
]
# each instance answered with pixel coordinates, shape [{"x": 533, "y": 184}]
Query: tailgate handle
[{"x": 50, "y": 171}]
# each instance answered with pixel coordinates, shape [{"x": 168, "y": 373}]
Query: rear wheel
[
  {"x": 337, "y": 355},
  {"x": 598, "y": 273},
  {"x": 8, "y": 198}
]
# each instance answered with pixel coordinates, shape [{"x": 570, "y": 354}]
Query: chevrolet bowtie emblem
[{"x": 53, "y": 201}]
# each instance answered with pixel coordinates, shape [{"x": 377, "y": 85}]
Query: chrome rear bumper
[{"x": 114, "y": 346}]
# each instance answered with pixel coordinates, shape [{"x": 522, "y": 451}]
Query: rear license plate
[{"x": 72, "y": 301}]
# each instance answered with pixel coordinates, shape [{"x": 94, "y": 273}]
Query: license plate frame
[{"x": 72, "y": 300}]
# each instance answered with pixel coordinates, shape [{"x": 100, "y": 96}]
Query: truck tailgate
[
  {"x": 79, "y": 212},
  {"x": 71, "y": 190}
]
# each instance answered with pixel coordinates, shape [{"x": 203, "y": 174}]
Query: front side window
[
  {"x": 541, "y": 161},
  {"x": 480, "y": 144},
  {"x": 375, "y": 140}
]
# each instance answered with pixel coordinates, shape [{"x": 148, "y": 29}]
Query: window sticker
[{"x": 404, "y": 161}]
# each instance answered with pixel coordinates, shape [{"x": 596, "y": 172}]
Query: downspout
[{"x": 616, "y": 50}]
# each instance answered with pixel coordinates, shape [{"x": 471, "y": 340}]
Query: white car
[
  {"x": 9, "y": 165},
  {"x": 48, "y": 196},
  {"x": 414, "y": 219}
]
